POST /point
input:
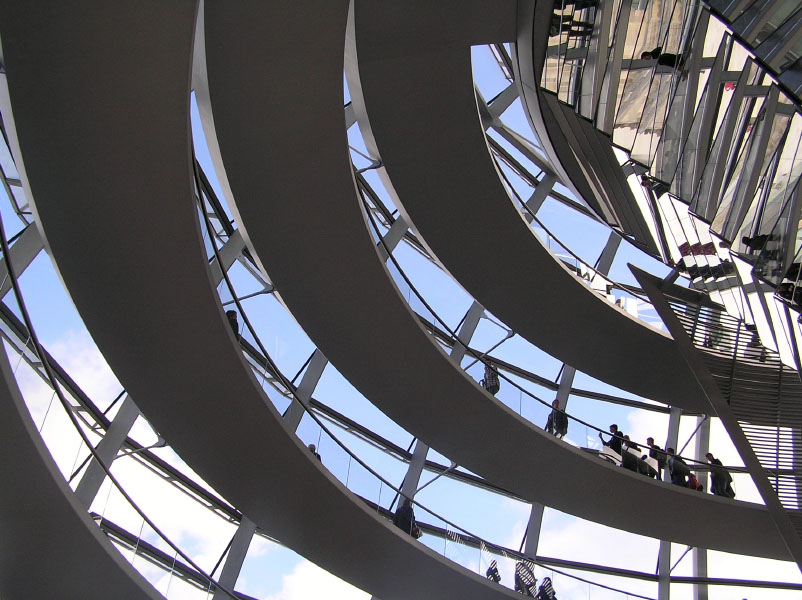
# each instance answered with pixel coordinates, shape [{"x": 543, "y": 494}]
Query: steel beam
[
  {"x": 785, "y": 527},
  {"x": 664, "y": 553},
  {"x": 295, "y": 412},
  {"x": 228, "y": 254},
  {"x": 236, "y": 556},
  {"x": 22, "y": 252},
  {"x": 539, "y": 196},
  {"x": 107, "y": 449},
  {"x": 700, "y": 554},
  {"x": 392, "y": 237}
]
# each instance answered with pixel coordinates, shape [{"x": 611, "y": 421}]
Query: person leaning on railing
[
  {"x": 557, "y": 423},
  {"x": 490, "y": 382},
  {"x": 677, "y": 468},
  {"x": 615, "y": 441},
  {"x": 656, "y": 452},
  {"x": 404, "y": 519},
  {"x": 492, "y": 572}
]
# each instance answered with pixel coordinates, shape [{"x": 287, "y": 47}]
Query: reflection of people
[
  {"x": 615, "y": 441},
  {"x": 492, "y": 572},
  {"x": 313, "y": 450},
  {"x": 786, "y": 290},
  {"x": 557, "y": 423},
  {"x": 654, "y": 185},
  {"x": 566, "y": 24},
  {"x": 755, "y": 243},
  {"x": 404, "y": 519},
  {"x": 577, "y": 4},
  {"x": 663, "y": 58}
]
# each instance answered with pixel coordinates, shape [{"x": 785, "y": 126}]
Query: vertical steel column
[
  {"x": 700, "y": 554},
  {"x": 412, "y": 478},
  {"x": 107, "y": 449},
  {"x": 564, "y": 389},
  {"x": 533, "y": 531},
  {"x": 664, "y": 554},
  {"x": 536, "y": 514},
  {"x": 21, "y": 253},
  {"x": 236, "y": 556},
  {"x": 464, "y": 335},
  {"x": 292, "y": 416}
]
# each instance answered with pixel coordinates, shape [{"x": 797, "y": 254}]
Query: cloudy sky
[{"x": 276, "y": 573}]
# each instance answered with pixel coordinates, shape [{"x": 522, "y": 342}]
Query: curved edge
[
  {"x": 311, "y": 235},
  {"x": 219, "y": 420},
  {"x": 458, "y": 203},
  {"x": 45, "y": 530}
]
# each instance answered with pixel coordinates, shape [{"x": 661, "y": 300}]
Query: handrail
[
  {"x": 290, "y": 389},
  {"x": 480, "y": 357},
  {"x": 38, "y": 348},
  {"x": 596, "y": 272}
]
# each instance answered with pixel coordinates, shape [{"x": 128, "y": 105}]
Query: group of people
[
  {"x": 525, "y": 581},
  {"x": 658, "y": 460},
  {"x": 567, "y": 23}
]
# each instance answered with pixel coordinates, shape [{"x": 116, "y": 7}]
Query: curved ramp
[
  {"x": 284, "y": 149},
  {"x": 135, "y": 267},
  {"x": 49, "y": 546},
  {"x": 464, "y": 214}
]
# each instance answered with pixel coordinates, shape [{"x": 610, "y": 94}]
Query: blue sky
[{"x": 275, "y": 572}]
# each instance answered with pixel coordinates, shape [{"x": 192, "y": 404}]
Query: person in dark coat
[
  {"x": 492, "y": 572},
  {"x": 677, "y": 468},
  {"x": 404, "y": 518},
  {"x": 525, "y": 580},
  {"x": 232, "y": 320},
  {"x": 557, "y": 423},
  {"x": 615, "y": 441},
  {"x": 664, "y": 59},
  {"x": 721, "y": 479},
  {"x": 490, "y": 382},
  {"x": 656, "y": 452}
]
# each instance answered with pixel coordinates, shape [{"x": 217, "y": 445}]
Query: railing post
[{"x": 700, "y": 554}]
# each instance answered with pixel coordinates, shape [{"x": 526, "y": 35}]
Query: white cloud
[
  {"x": 310, "y": 581},
  {"x": 77, "y": 354},
  {"x": 205, "y": 536}
]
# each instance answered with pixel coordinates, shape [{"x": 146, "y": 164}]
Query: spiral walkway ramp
[{"x": 107, "y": 185}]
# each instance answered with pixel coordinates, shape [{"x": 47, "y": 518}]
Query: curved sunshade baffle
[
  {"x": 135, "y": 267},
  {"x": 284, "y": 149},
  {"x": 459, "y": 205},
  {"x": 49, "y": 546}
]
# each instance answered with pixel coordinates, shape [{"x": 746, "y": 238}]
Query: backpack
[{"x": 694, "y": 484}]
